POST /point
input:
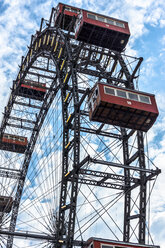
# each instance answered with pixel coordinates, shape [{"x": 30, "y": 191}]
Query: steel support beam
[
  {"x": 107, "y": 176},
  {"x": 74, "y": 181},
  {"x": 127, "y": 198},
  {"x": 61, "y": 223},
  {"x": 101, "y": 133},
  {"x": 143, "y": 189},
  {"x": 97, "y": 161},
  {"x": 38, "y": 236},
  {"x": 9, "y": 173},
  {"x": 101, "y": 184},
  {"x": 99, "y": 74}
]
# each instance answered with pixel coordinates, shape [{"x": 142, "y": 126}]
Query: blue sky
[{"x": 19, "y": 19}]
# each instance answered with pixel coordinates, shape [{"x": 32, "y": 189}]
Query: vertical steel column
[
  {"x": 61, "y": 228},
  {"x": 76, "y": 147},
  {"x": 71, "y": 207},
  {"x": 61, "y": 221},
  {"x": 127, "y": 200},
  {"x": 142, "y": 204}
]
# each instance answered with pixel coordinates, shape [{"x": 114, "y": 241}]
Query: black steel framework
[{"x": 72, "y": 58}]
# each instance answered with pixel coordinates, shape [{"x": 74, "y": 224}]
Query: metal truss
[{"x": 72, "y": 58}]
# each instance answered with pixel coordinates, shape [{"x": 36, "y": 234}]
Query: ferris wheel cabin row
[
  {"x": 105, "y": 243},
  {"x": 28, "y": 89},
  {"x": 93, "y": 28}
]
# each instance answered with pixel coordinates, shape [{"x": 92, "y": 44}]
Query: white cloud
[
  {"x": 162, "y": 23},
  {"x": 163, "y": 41},
  {"x": 16, "y": 28}
]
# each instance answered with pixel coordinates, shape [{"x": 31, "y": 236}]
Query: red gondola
[
  {"x": 31, "y": 89},
  {"x": 13, "y": 143},
  {"x": 68, "y": 13},
  {"x": 5, "y": 204},
  {"x": 93, "y": 28},
  {"x": 122, "y": 107},
  {"x": 104, "y": 243},
  {"x": 101, "y": 30}
]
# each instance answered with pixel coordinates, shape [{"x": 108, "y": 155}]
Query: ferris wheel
[{"x": 73, "y": 148}]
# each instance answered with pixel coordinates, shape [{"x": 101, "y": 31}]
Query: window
[
  {"x": 106, "y": 246},
  {"x": 96, "y": 92},
  {"x": 106, "y": 20},
  {"x": 133, "y": 96},
  {"x": 145, "y": 99},
  {"x": 67, "y": 8},
  {"x": 109, "y": 91},
  {"x": 120, "y": 24},
  {"x": 74, "y": 10},
  {"x": 71, "y": 9},
  {"x": 5, "y": 136},
  {"x": 100, "y": 18},
  {"x": 35, "y": 84},
  {"x": 109, "y": 21},
  {"x": 121, "y": 93},
  {"x": 93, "y": 17},
  {"x": 120, "y": 247}
]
